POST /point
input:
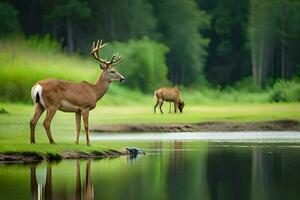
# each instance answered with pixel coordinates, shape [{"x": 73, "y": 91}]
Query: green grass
[{"x": 14, "y": 127}]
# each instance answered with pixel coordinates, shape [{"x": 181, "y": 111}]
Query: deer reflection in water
[{"x": 41, "y": 190}]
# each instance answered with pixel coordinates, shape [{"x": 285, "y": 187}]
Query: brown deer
[
  {"x": 169, "y": 95},
  {"x": 52, "y": 95}
]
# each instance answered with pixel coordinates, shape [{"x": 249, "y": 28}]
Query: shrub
[
  {"x": 285, "y": 91},
  {"x": 144, "y": 65}
]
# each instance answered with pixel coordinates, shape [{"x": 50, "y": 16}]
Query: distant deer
[
  {"x": 169, "y": 95},
  {"x": 52, "y": 95}
]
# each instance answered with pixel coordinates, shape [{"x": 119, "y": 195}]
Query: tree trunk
[{"x": 70, "y": 38}]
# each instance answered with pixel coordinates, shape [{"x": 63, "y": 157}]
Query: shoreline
[
  {"x": 35, "y": 157},
  {"x": 276, "y": 125}
]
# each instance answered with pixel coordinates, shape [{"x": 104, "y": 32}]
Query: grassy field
[
  {"x": 25, "y": 61},
  {"x": 14, "y": 126}
]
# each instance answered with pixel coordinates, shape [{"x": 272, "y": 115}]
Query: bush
[
  {"x": 144, "y": 65},
  {"x": 285, "y": 91}
]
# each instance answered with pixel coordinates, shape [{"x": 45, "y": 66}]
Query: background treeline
[{"x": 193, "y": 43}]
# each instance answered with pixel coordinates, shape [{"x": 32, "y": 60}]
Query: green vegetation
[
  {"x": 285, "y": 91},
  {"x": 24, "y": 62},
  {"x": 14, "y": 127},
  {"x": 201, "y": 46}
]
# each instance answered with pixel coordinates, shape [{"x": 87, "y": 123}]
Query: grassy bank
[{"x": 14, "y": 126}]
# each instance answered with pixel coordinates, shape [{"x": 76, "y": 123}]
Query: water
[{"x": 171, "y": 169}]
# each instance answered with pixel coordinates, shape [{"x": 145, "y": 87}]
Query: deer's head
[
  {"x": 109, "y": 72},
  {"x": 181, "y": 105}
]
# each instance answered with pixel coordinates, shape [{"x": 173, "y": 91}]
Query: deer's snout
[{"x": 122, "y": 79}]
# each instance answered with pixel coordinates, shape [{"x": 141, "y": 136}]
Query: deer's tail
[
  {"x": 154, "y": 96},
  {"x": 36, "y": 94}
]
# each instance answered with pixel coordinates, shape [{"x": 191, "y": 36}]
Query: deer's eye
[{"x": 112, "y": 72}]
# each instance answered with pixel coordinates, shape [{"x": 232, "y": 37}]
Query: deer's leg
[
  {"x": 48, "y": 184},
  {"x": 78, "y": 182},
  {"x": 47, "y": 122},
  {"x": 157, "y": 101},
  {"x": 170, "y": 105},
  {"x": 85, "y": 116},
  {"x": 175, "y": 106},
  {"x": 88, "y": 182},
  {"x": 39, "y": 109},
  {"x": 33, "y": 183},
  {"x": 160, "y": 105},
  {"x": 78, "y": 125}
]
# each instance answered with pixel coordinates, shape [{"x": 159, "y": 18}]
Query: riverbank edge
[
  {"x": 36, "y": 157},
  {"x": 225, "y": 126}
]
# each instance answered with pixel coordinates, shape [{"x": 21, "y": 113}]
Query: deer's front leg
[
  {"x": 78, "y": 125},
  {"x": 161, "y": 103},
  {"x": 85, "y": 116}
]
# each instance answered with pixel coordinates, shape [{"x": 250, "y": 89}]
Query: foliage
[
  {"x": 144, "y": 63},
  {"x": 274, "y": 35},
  {"x": 180, "y": 29},
  {"x": 74, "y": 9},
  {"x": 285, "y": 91},
  {"x": 123, "y": 19},
  {"x": 9, "y": 19},
  {"x": 228, "y": 52}
]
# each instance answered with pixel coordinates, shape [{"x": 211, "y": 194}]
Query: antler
[{"x": 115, "y": 59}]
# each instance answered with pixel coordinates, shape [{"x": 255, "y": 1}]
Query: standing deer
[
  {"x": 169, "y": 95},
  {"x": 52, "y": 95}
]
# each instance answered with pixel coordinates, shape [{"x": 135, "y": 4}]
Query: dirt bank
[
  {"x": 33, "y": 157},
  {"x": 278, "y": 125}
]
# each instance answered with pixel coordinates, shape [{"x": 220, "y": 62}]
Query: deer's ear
[{"x": 102, "y": 66}]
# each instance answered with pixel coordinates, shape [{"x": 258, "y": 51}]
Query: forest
[{"x": 242, "y": 44}]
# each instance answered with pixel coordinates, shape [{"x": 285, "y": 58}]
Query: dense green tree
[
  {"x": 229, "y": 58},
  {"x": 68, "y": 11},
  {"x": 181, "y": 22},
  {"x": 9, "y": 19},
  {"x": 274, "y": 32}
]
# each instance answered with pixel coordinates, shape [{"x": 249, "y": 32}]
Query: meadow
[
  {"x": 14, "y": 125},
  {"x": 23, "y": 62}
]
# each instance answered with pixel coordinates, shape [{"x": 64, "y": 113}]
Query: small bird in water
[{"x": 134, "y": 151}]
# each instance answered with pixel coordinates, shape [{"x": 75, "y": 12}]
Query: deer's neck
[{"x": 101, "y": 86}]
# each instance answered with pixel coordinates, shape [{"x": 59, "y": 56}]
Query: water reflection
[
  {"x": 175, "y": 170},
  {"x": 41, "y": 189}
]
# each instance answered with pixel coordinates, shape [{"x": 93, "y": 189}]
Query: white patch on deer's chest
[{"x": 68, "y": 107}]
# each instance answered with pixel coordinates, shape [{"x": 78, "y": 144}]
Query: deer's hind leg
[
  {"x": 47, "y": 122},
  {"x": 157, "y": 102},
  {"x": 39, "y": 109}
]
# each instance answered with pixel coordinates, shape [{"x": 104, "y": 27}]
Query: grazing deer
[
  {"x": 52, "y": 95},
  {"x": 169, "y": 95}
]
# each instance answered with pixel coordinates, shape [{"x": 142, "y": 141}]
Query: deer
[
  {"x": 80, "y": 98},
  {"x": 169, "y": 95}
]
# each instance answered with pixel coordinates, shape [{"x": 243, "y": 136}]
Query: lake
[{"x": 175, "y": 167}]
